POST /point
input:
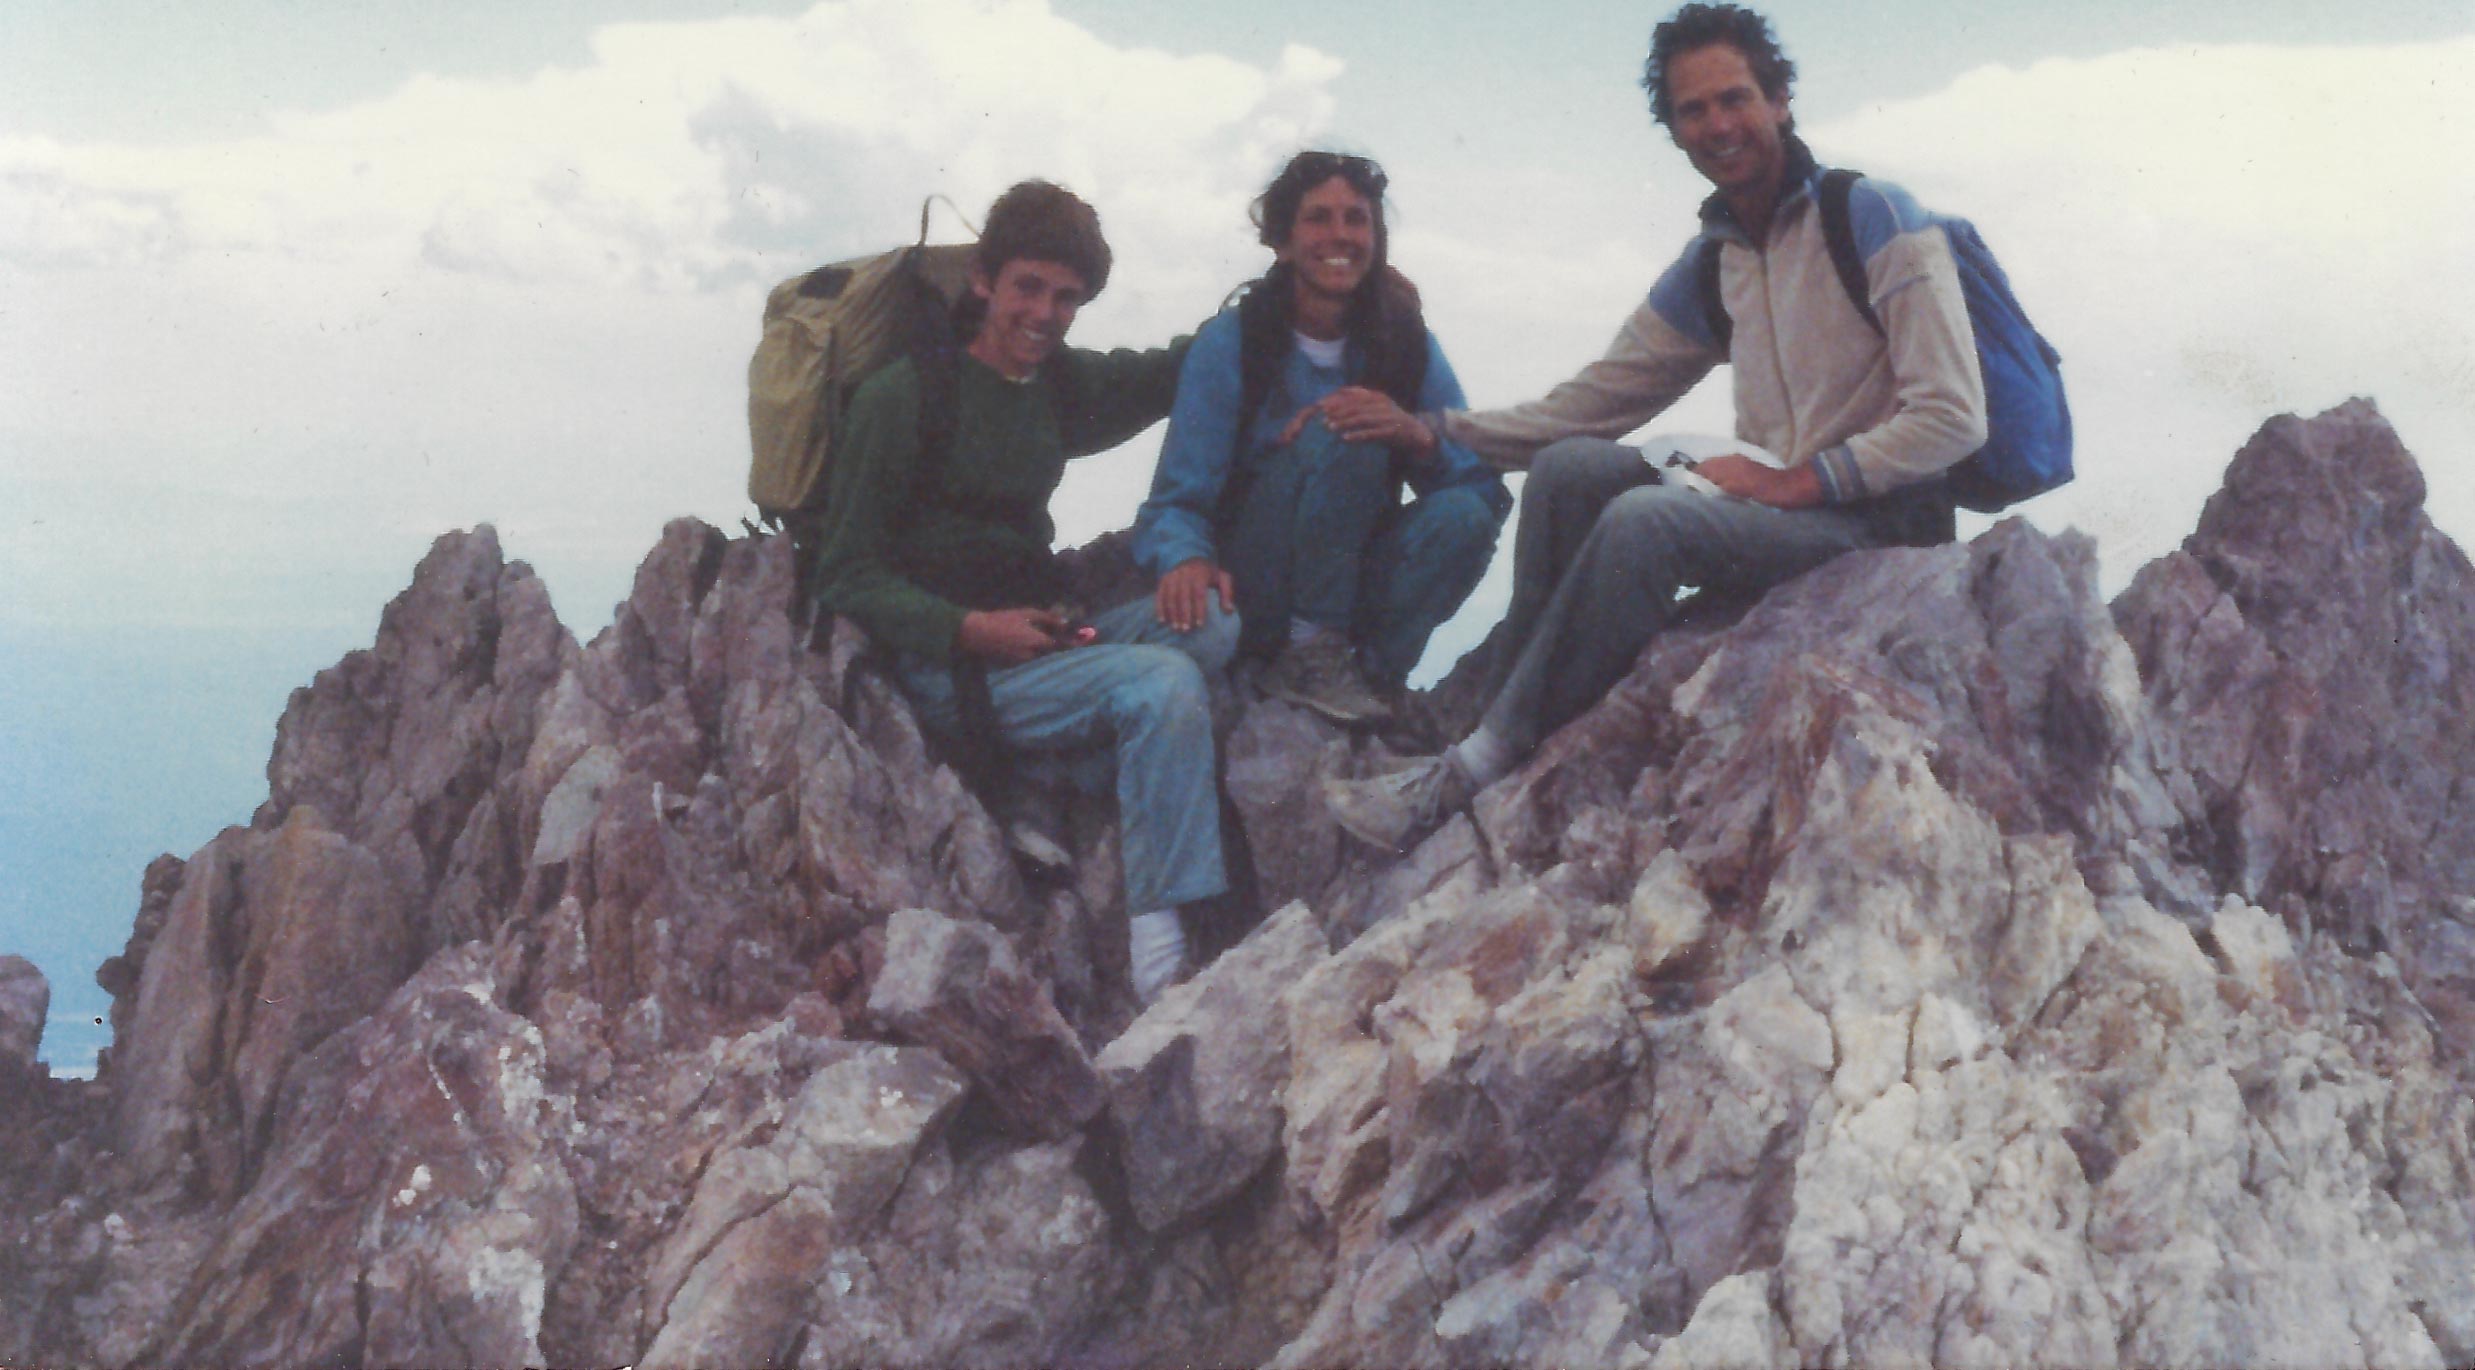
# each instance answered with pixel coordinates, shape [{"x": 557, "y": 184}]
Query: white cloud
[
  {"x": 689, "y": 151},
  {"x": 532, "y": 300},
  {"x": 2211, "y": 237}
]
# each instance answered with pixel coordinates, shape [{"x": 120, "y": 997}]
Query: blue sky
[{"x": 285, "y": 290}]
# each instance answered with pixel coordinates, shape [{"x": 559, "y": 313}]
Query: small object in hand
[{"x": 1071, "y": 630}]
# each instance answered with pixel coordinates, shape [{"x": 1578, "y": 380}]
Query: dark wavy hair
[
  {"x": 1045, "y": 223},
  {"x": 1275, "y": 211},
  {"x": 1698, "y": 26},
  {"x": 1383, "y": 315}
]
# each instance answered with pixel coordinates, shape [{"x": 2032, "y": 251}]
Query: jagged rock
[
  {"x": 410, "y": 1210},
  {"x": 408, "y": 749},
  {"x": 998, "y": 1258},
  {"x": 1194, "y": 1085},
  {"x": 1736, "y": 1327},
  {"x": 959, "y": 988},
  {"x": 732, "y": 1284},
  {"x": 119, "y": 975},
  {"x": 2309, "y": 657},
  {"x": 1925, "y": 963},
  {"x": 25, "y": 1004},
  {"x": 1275, "y": 762},
  {"x": 275, "y": 941}
]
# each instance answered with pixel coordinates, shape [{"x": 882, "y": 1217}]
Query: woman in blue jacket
[{"x": 1303, "y": 533}]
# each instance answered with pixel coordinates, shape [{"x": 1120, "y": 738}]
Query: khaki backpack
[{"x": 826, "y": 331}]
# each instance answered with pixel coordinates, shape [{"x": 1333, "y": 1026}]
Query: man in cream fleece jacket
[{"x": 1842, "y": 432}]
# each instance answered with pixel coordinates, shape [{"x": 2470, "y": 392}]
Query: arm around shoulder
[{"x": 1107, "y": 397}]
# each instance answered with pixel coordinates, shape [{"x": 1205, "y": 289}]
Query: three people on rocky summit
[{"x": 1304, "y": 413}]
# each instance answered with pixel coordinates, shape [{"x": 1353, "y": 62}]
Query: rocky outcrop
[
  {"x": 1929, "y": 963},
  {"x": 2310, "y": 656},
  {"x": 25, "y": 1002}
]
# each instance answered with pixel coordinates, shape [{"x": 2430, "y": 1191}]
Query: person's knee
[
  {"x": 1652, "y": 516},
  {"x": 1461, "y": 520},
  {"x": 1160, "y": 683},
  {"x": 1212, "y": 644},
  {"x": 1575, "y": 461},
  {"x": 1326, "y": 451}
]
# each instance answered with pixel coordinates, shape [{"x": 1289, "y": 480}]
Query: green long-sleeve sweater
[{"x": 906, "y": 562}]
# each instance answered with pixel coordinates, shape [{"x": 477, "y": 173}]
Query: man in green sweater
[{"x": 947, "y": 564}]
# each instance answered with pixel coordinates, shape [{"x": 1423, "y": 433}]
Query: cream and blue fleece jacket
[
  {"x": 1814, "y": 382},
  {"x": 1209, "y": 440}
]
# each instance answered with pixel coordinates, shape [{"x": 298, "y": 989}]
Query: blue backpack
[{"x": 2027, "y": 419}]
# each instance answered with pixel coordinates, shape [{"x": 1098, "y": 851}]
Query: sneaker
[
  {"x": 1398, "y": 806},
  {"x": 1322, "y": 674}
]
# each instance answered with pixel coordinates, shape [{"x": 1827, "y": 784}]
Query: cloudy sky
[{"x": 285, "y": 291}]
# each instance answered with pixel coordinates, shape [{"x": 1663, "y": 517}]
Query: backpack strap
[
  {"x": 1263, "y": 345},
  {"x": 979, "y": 753},
  {"x": 1839, "y": 234},
  {"x": 1714, "y": 308},
  {"x": 935, "y": 349}
]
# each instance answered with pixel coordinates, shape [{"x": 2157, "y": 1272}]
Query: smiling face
[
  {"x": 1731, "y": 131},
  {"x": 1331, "y": 245},
  {"x": 1031, "y": 304}
]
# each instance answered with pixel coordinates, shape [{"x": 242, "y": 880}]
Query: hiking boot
[
  {"x": 1398, "y": 806},
  {"x": 1321, "y": 674}
]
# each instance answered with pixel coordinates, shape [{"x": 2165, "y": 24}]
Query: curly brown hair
[
  {"x": 1698, "y": 26},
  {"x": 1045, "y": 223}
]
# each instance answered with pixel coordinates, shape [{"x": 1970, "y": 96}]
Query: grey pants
[{"x": 1601, "y": 553}]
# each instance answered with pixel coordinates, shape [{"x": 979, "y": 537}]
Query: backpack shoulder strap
[
  {"x": 1395, "y": 347},
  {"x": 936, "y": 352},
  {"x": 1263, "y": 345},
  {"x": 1714, "y": 307},
  {"x": 1839, "y": 234}
]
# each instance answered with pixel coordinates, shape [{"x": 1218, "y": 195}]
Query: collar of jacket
[{"x": 1800, "y": 177}]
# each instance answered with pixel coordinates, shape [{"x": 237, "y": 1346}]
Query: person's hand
[
  {"x": 1010, "y": 636},
  {"x": 1183, "y": 599},
  {"x": 1797, "y": 487},
  {"x": 1355, "y": 413}
]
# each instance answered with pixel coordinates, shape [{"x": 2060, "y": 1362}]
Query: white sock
[
  {"x": 1483, "y": 757},
  {"x": 1156, "y": 952}
]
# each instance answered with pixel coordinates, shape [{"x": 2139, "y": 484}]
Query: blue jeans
[
  {"x": 1140, "y": 690},
  {"x": 1319, "y": 535}
]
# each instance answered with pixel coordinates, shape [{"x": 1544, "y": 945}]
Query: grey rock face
[
  {"x": 731, "y": 1285},
  {"x": 412, "y": 1209},
  {"x": 959, "y": 988},
  {"x": 1926, "y": 964},
  {"x": 25, "y": 1004},
  {"x": 2309, "y": 656},
  {"x": 1193, "y": 1086}
]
